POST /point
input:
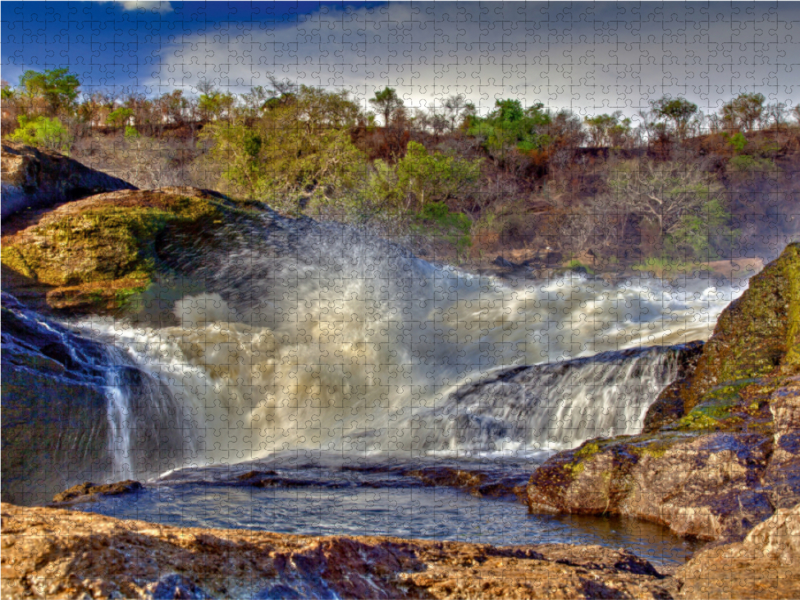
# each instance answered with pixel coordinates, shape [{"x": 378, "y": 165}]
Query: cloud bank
[{"x": 587, "y": 57}]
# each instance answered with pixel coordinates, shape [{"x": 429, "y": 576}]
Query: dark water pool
[{"x": 384, "y": 504}]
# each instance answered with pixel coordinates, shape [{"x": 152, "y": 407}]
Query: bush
[
  {"x": 42, "y": 133},
  {"x": 750, "y": 164},
  {"x": 452, "y": 227}
]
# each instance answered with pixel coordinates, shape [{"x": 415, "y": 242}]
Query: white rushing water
[{"x": 351, "y": 349}]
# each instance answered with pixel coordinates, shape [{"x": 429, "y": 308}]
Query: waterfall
[
  {"x": 551, "y": 406},
  {"x": 345, "y": 343},
  {"x": 119, "y": 432}
]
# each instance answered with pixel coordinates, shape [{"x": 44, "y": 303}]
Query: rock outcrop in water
[
  {"x": 35, "y": 179},
  {"x": 57, "y": 422},
  {"x": 730, "y": 455},
  {"x": 54, "y": 406}
]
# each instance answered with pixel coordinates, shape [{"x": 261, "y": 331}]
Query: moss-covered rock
[
  {"x": 93, "y": 254},
  {"x": 756, "y": 333},
  {"x": 720, "y": 450}
]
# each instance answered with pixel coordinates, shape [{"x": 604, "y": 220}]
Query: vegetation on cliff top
[{"x": 672, "y": 187}]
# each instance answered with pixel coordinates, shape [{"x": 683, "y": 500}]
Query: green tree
[
  {"x": 609, "y": 130},
  {"x": 215, "y": 105},
  {"x": 422, "y": 177},
  {"x": 295, "y": 154},
  {"x": 119, "y": 117},
  {"x": 678, "y": 111},
  {"x": 58, "y": 88},
  {"x": 743, "y": 112},
  {"x": 7, "y": 93},
  {"x": 510, "y": 127},
  {"x": 386, "y": 102}
]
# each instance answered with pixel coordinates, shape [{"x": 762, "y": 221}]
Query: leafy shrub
[
  {"x": 119, "y": 117},
  {"x": 42, "y": 133},
  {"x": 453, "y": 227},
  {"x": 750, "y": 164}
]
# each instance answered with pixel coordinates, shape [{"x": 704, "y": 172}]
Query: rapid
[{"x": 343, "y": 343}]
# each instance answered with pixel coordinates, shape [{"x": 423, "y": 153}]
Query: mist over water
[{"x": 348, "y": 344}]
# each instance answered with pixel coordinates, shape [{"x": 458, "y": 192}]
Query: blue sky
[{"x": 588, "y": 57}]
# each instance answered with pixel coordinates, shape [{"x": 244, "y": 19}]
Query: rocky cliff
[{"x": 723, "y": 452}]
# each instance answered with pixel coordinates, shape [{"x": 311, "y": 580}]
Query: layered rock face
[
  {"x": 56, "y": 553},
  {"x": 721, "y": 450},
  {"x": 33, "y": 179}
]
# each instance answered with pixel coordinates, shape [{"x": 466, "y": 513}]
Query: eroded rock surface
[
  {"x": 721, "y": 450},
  {"x": 57, "y": 553},
  {"x": 765, "y": 565},
  {"x": 34, "y": 179}
]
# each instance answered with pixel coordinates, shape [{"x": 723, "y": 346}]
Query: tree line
[{"x": 519, "y": 175}]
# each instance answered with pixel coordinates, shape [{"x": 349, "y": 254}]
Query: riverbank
[{"x": 58, "y": 554}]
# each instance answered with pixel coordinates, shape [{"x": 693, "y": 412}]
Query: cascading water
[{"x": 345, "y": 343}]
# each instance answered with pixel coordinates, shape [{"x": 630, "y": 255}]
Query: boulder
[
  {"x": 55, "y": 431},
  {"x": 34, "y": 179},
  {"x": 93, "y": 255},
  {"x": 765, "y": 565},
  {"x": 56, "y": 395},
  {"x": 720, "y": 449},
  {"x": 89, "y": 492},
  {"x": 64, "y": 554}
]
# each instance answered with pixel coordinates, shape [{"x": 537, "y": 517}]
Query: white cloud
[
  {"x": 595, "y": 59},
  {"x": 146, "y": 5}
]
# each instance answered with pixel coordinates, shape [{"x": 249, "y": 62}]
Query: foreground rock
[
  {"x": 33, "y": 179},
  {"x": 57, "y": 553},
  {"x": 88, "y": 492},
  {"x": 765, "y": 565},
  {"x": 721, "y": 450}
]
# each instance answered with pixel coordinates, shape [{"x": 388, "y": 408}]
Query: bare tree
[{"x": 662, "y": 192}]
